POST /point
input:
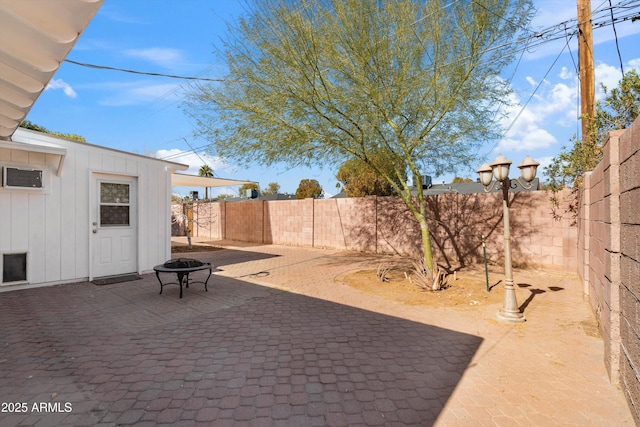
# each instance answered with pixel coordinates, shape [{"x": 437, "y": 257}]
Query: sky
[{"x": 144, "y": 114}]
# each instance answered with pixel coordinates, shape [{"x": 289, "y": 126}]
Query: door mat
[{"x": 115, "y": 279}]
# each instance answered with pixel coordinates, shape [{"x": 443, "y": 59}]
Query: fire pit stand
[{"x": 182, "y": 267}]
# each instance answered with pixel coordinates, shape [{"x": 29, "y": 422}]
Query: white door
[{"x": 114, "y": 228}]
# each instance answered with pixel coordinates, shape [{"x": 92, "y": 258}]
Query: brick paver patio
[{"x": 278, "y": 341}]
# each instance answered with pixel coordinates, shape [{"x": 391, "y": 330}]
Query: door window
[{"x": 114, "y": 204}]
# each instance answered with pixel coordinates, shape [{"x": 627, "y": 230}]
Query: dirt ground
[{"x": 467, "y": 288}]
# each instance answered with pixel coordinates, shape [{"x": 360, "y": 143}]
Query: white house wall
[{"x": 54, "y": 225}]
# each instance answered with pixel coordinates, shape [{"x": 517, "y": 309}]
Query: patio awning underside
[
  {"x": 183, "y": 180},
  {"x": 35, "y": 37}
]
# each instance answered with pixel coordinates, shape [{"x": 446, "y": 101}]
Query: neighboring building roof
[
  {"x": 36, "y": 36},
  {"x": 462, "y": 188},
  {"x": 475, "y": 187}
]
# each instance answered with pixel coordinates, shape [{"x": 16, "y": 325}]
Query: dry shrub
[
  {"x": 381, "y": 273},
  {"x": 425, "y": 279}
]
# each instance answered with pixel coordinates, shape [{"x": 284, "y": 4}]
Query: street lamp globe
[
  {"x": 486, "y": 174},
  {"x": 528, "y": 169},
  {"x": 500, "y": 167}
]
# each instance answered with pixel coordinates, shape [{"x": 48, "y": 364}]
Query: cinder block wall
[
  {"x": 384, "y": 225},
  {"x": 629, "y": 265},
  {"x": 609, "y": 256}
]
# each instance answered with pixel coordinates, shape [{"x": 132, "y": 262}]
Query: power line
[
  {"x": 521, "y": 45},
  {"x": 615, "y": 33},
  {"x": 144, "y": 73},
  {"x": 531, "y": 42},
  {"x": 533, "y": 93}
]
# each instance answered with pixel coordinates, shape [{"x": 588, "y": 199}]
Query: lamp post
[{"x": 510, "y": 312}]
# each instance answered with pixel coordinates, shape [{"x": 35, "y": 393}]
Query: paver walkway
[{"x": 278, "y": 340}]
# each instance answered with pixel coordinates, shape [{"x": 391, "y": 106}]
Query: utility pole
[{"x": 587, "y": 74}]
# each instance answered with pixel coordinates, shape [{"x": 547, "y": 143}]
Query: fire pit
[{"x": 182, "y": 267}]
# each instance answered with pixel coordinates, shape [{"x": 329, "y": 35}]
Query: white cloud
[
  {"x": 554, "y": 104},
  {"x": 565, "y": 74},
  {"x": 610, "y": 75},
  {"x": 607, "y": 75},
  {"x": 194, "y": 160},
  {"x": 140, "y": 92},
  {"x": 61, "y": 84},
  {"x": 164, "y": 57}
]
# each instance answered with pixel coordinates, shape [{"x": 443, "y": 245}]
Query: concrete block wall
[
  {"x": 384, "y": 225},
  {"x": 629, "y": 265},
  {"x": 609, "y": 256},
  {"x": 287, "y": 222},
  {"x": 342, "y": 224}
]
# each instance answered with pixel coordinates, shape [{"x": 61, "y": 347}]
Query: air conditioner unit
[
  {"x": 13, "y": 177},
  {"x": 250, "y": 194}
]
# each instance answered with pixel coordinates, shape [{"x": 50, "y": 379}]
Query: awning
[
  {"x": 39, "y": 147},
  {"x": 183, "y": 180},
  {"x": 35, "y": 37}
]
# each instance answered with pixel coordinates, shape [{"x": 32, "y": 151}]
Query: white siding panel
[
  {"x": 131, "y": 167},
  {"x": 37, "y": 159},
  {"x": 19, "y": 231},
  {"x": 5, "y": 221},
  {"x": 19, "y": 156},
  {"x": 108, "y": 163},
  {"x": 119, "y": 165},
  {"x": 157, "y": 208},
  {"x": 52, "y": 223},
  {"x": 68, "y": 219},
  {"x": 83, "y": 161},
  {"x": 36, "y": 214},
  {"x": 146, "y": 220}
]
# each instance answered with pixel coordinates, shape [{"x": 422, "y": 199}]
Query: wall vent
[
  {"x": 22, "y": 178},
  {"x": 14, "y": 267}
]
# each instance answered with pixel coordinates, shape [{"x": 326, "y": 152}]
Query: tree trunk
[{"x": 426, "y": 242}]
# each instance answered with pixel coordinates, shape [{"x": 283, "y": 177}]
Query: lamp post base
[{"x": 512, "y": 316}]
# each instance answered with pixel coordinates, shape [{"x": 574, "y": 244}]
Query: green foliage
[
  {"x": 621, "y": 106},
  {"x": 618, "y": 110},
  {"x": 225, "y": 196},
  {"x": 32, "y": 126},
  {"x": 459, "y": 179},
  {"x": 314, "y": 82},
  {"x": 272, "y": 189},
  {"x": 359, "y": 179},
  {"x": 309, "y": 188},
  {"x": 205, "y": 170}
]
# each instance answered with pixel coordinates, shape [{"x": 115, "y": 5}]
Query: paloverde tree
[{"x": 317, "y": 82}]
